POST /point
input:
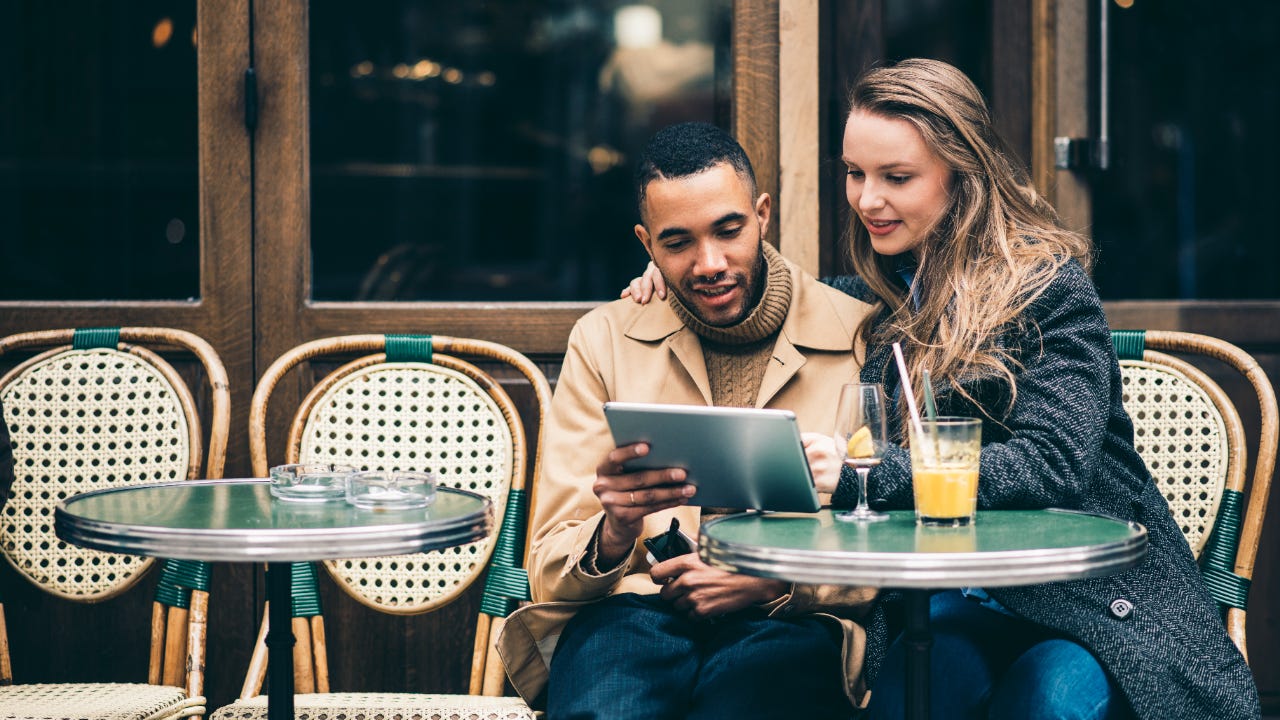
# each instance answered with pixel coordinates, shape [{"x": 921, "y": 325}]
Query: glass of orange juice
[{"x": 944, "y": 470}]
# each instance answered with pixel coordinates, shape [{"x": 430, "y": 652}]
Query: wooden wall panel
[
  {"x": 797, "y": 205},
  {"x": 755, "y": 91}
]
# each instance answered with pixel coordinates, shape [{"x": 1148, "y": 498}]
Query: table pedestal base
[
  {"x": 918, "y": 641},
  {"x": 280, "y": 641}
]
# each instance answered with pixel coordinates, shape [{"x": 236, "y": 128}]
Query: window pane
[
  {"x": 954, "y": 31},
  {"x": 483, "y": 151},
  {"x": 98, "y": 154},
  {"x": 1185, "y": 210}
]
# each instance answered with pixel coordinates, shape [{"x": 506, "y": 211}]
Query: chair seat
[
  {"x": 400, "y": 706},
  {"x": 101, "y": 701}
]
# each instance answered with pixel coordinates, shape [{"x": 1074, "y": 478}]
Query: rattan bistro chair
[
  {"x": 1192, "y": 439},
  {"x": 95, "y": 409},
  {"x": 411, "y": 404}
]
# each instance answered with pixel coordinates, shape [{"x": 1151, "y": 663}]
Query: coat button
[{"x": 1121, "y": 609}]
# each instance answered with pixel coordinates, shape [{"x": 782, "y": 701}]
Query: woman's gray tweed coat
[{"x": 1068, "y": 443}]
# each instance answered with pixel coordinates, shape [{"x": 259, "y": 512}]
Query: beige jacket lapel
[{"x": 659, "y": 322}]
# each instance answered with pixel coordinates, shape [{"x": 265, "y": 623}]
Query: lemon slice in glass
[{"x": 860, "y": 444}]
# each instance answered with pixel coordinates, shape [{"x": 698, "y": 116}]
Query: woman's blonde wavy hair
[{"x": 990, "y": 255}]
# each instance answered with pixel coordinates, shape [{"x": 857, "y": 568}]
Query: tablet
[{"x": 737, "y": 457}]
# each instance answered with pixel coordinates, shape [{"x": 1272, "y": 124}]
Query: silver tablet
[{"x": 738, "y": 457}]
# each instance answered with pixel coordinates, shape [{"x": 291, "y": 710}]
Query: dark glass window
[
  {"x": 1186, "y": 209},
  {"x": 98, "y": 150},
  {"x": 484, "y": 150},
  {"x": 954, "y": 31}
]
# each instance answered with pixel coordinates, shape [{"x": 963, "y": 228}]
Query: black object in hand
[{"x": 669, "y": 544}]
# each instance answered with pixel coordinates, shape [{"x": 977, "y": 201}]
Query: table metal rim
[
  {"x": 932, "y": 569},
  {"x": 268, "y": 545}
]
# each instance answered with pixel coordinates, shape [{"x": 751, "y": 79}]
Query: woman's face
[{"x": 898, "y": 187}]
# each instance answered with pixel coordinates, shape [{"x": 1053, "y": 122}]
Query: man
[{"x": 615, "y": 636}]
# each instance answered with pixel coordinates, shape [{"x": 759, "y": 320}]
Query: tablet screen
[{"x": 737, "y": 457}]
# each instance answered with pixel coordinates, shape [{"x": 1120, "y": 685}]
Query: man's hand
[
  {"x": 627, "y": 497},
  {"x": 824, "y": 460},
  {"x": 705, "y": 592}
]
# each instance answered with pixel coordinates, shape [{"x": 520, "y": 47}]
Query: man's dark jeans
[{"x": 633, "y": 656}]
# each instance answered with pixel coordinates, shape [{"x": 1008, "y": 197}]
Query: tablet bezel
[{"x": 760, "y": 466}]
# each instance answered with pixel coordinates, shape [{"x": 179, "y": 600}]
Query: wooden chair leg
[
  {"x": 480, "y": 654},
  {"x": 1235, "y": 627},
  {"x": 175, "y": 648},
  {"x": 304, "y": 676},
  {"x": 155, "y": 667},
  {"x": 197, "y": 630},
  {"x": 494, "y": 676},
  {"x": 6, "y": 670},
  {"x": 258, "y": 662},
  {"x": 320, "y": 651}
]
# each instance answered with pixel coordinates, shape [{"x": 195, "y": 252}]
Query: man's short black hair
[{"x": 687, "y": 149}]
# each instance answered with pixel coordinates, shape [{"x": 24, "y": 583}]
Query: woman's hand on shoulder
[{"x": 643, "y": 288}]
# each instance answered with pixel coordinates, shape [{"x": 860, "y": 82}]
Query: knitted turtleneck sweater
[{"x": 737, "y": 355}]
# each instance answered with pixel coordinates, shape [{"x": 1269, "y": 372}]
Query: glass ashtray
[
  {"x": 310, "y": 482},
  {"x": 391, "y": 490}
]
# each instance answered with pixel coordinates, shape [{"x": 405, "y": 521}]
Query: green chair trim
[
  {"x": 1219, "y": 556},
  {"x": 1229, "y": 589},
  {"x": 306, "y": 589},
  {"x": 178, "y": 578},
  {"x": 96, "y": 337},
  {"x": 408, "y": 348},
  {"x": 1130, "y": 344},
  {"x": 1220, "y": 549},
  {"x": 507, "y": 584}
]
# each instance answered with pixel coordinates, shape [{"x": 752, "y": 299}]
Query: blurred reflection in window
[
  {"x": 1185, "y": 210},
  {"x": 483, "y": 151},
  {"x": 98, "y": 150}
]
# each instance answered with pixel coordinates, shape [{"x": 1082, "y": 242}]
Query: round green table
[
  {"x": 239, "y": 520},
  {"x": 1001, "y": 548}
]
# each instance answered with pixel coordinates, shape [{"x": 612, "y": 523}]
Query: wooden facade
[{"x": 792, "y": 63}]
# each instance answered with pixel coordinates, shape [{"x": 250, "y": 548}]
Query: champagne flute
[{"x": 861, "y": 438}]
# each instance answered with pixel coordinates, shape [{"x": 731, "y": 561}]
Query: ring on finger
[{"x": 633, "y": 498}]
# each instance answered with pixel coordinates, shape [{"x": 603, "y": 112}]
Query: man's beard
[{"x": 753, "y": 285}]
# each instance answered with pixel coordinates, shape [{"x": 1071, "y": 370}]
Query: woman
[{"x": 969, "y": 269}]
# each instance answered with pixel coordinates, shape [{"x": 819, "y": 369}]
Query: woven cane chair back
[
  {"x": 82, "y": 420},
  {"x": 413, "y": 416},
  {"x": 408, "y": 402},
  {"x": 1182, "y": 436},
  {"x": 1191, "y": 437},
  {"x": 94, "y": 409}
]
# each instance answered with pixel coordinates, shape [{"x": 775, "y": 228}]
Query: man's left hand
[{"x": 705, "y": 592}]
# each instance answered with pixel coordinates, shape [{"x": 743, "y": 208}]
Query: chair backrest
[
  {"x": 411, "y": 403},
  {"x": 94, "y": 408},
  {"x": 1192, "y": 439}
]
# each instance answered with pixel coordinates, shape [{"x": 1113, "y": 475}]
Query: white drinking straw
[{"x": 906, "y": 390}]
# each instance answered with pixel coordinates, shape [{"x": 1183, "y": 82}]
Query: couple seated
[{"x": 956, "y": 257}]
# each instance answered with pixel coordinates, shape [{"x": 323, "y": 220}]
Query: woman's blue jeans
[
  {"x": 632, "y": 656},
  {"x": 988, "y": 664}
]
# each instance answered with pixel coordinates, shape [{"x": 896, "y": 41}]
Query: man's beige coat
[{"x": 624, "y": 351}]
